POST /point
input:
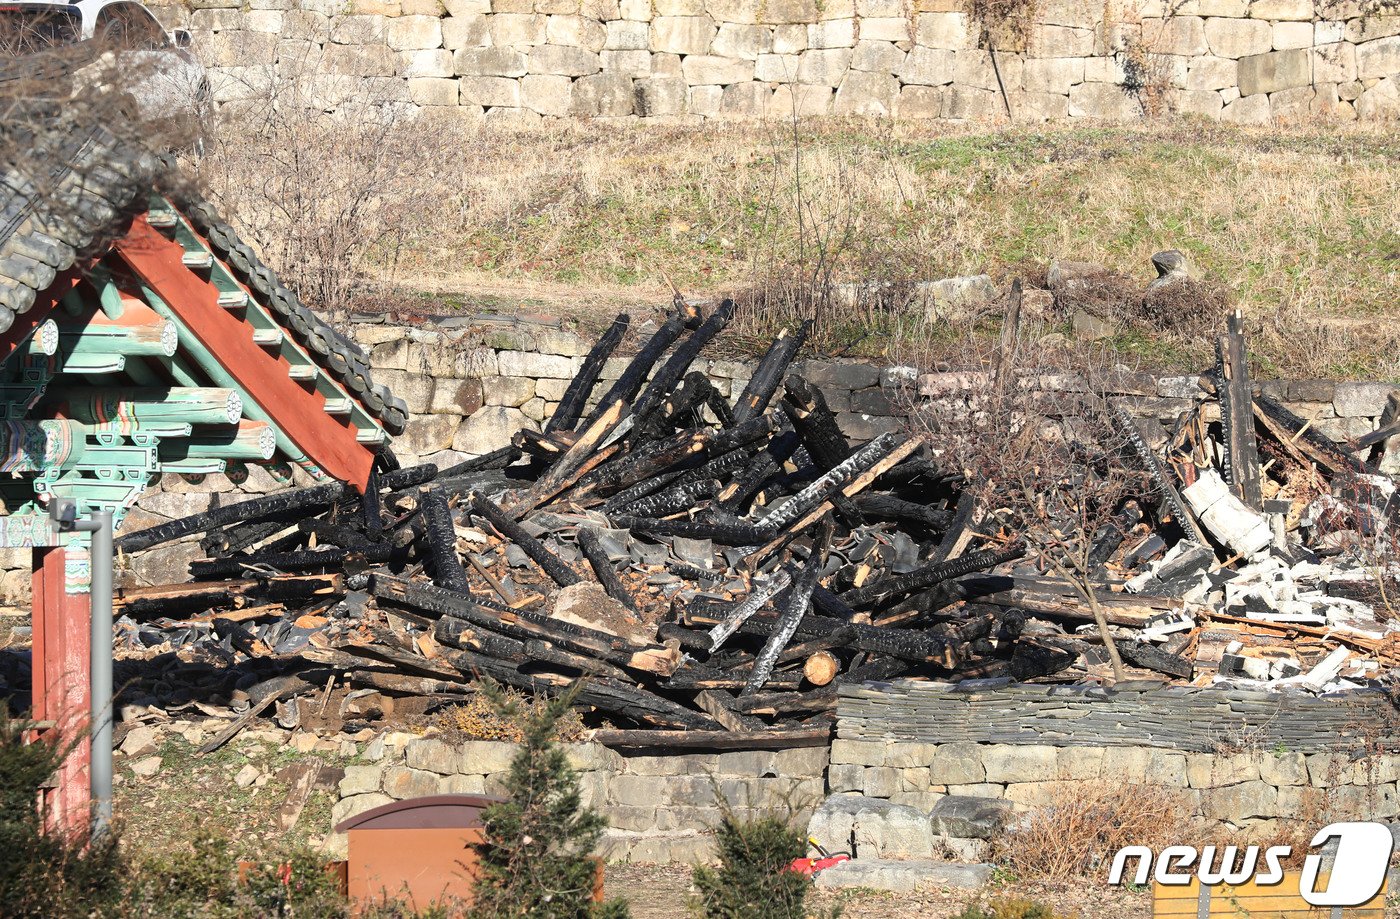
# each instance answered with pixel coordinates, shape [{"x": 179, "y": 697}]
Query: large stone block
[
  {"x": 1206, "y": 73},
  {"x": 623, "y": 35},
  {"x": 1017, "y": 763},
  {"x": 466, "y": 32},
  {"x": 401, "y": 782},
  {"x": 433, "y": 63},
  {"x": 951, "y": 31},
  {"x": 660, "y": 96},
  {"x": 970, "y": 104},
  {"x": 682, "y": 34},
  {"x": 882, "y": 29},
  {"x": 355, "y": 805},
  {"x": 1206, "y": 770},
  {"x": 776, "y": 68},
  {"x": 704, "y": 100},
  {"x": 877, "y": 57},
  {"x": 919, "y": 102},
  {"x": 576, "y": 32},
  {"x": 491, "y": 428},
  {"x": 1061, "y": 41},
  {"x": 432, "y": 755},
  {"x": 896, "y": 832},
  {"x": 1052, "y": 74},
  {"x": 634, "y": 64},
  {"x": 1334, "y": 63},
  {"x": 1380, "y": 101},
  {"x": 1378, "y": 59},
  {"x": 433, "y": 91},
  {"x": 1079, "y": 13},
  {"x": 797, "y": 101},
  {"x": 1301, "y": 10},
  {"x": 532, "y": 364},
  {"x": 1248, "y": 110},
  {"x": 859, "y": 752},
  {"x": 1268, "y": 73},
  {"x": 745, "y": 99},
  {"x": 866, "y": 94},
  {"x": 490, "y": 62},
  {"x": 906, "y": 754},
  {"x": 361, "y": 780},
  {"x": 1290, "y": 35},
  {"x": 1185, "y": 35},
  {"x": 967, "y": 817},
  {"x": 237, "y": 48},
  {"x": 548, "y": 94},
  {"x": 836, "y": 33},
  {"x": 1245, "y": 801},
  {"x": 709, "y": 70},
  {"x": 1354, "y": 400},
  {"x": 958, "y": 764},
  {"x": 824, "y": 67},
  {"x": 517, "y": 29},
  {"x": 413, "y": 33},
  {"x": 563, "y": 60},
  {"x": 1103, "y": 100},
  {"x": 747, "y": 42},
  {"x": 789, "y": 39},
  {"x": 928, "y": 67},
  {"x": 603, "y": 94},
  {"x": 1237, "y": 38}
]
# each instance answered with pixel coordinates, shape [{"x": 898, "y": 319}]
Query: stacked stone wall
[
  {"x": 659, "y": 808},
  {"x": 1239, "y": 759},
  {"x": 1245, "y": 61}
]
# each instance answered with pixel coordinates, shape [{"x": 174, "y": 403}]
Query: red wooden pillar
[{"x": 61, "y": 684}]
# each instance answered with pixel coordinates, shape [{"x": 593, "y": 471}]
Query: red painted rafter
[{"x": 299, "y": 412}]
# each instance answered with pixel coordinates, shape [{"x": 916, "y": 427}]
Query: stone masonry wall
[
  {"x": 659, "y": 808},
  {"x": 1247, "y": 760},
  {"x": 1245, "y": 61}
]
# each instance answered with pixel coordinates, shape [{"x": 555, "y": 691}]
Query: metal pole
[{"x": 101, "y": 637}]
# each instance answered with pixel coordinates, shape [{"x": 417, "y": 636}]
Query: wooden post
[{"x": 60, "y": 685}]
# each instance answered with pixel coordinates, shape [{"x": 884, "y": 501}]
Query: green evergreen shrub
[
  {"x": 536, "y": 859},
  {"x": 753, "y": 880}
]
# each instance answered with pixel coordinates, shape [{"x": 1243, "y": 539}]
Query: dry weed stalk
[
  {"x": 333, "y": 179},
  {"x": 1086, "y": 822}
]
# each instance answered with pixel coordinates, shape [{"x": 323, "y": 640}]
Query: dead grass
[
  {"x": 1298, "y": 227},
  {"x": 1085, "y": 823}
]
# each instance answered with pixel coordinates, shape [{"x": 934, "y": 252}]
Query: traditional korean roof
[{"x": 140, "y": 336}]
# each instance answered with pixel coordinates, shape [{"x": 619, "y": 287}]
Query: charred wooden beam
[
  {"x": 624, "y": 390},
  {"x": 1236, "y": 414},
  {"x": 588, "y": 541},
  {"x": 571, "y": 404},
  {"x": 550, "y": 563},
  {"x": 770, "y": 739},
  {"x": 1297, "y": 433},
  {"x": 888, "y": 507},
  {"x": 680, "y": 360},
  {"x": 799, "y": 602},
  {"x": 1159, "y": 475},
  {"x": 440, "y": 540},
  {"x": 769, "y": 373},
  {"x": 929, "y": 575},
  {"x": 305, "y": 500},
  {"x": 296, "y": 561}
]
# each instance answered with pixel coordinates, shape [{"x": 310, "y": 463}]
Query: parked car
[{"x": 124, "y": 43}]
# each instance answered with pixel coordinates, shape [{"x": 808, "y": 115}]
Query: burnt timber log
[{"x": 571, "y": 404}]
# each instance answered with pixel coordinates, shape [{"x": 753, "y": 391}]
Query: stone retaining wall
[
  {"x": 659, "y": 808},
  {"x": 1256, "y": 772},
  {"x": 1246, "y": 61}
]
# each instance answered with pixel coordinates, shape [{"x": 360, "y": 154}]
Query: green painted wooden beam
[{"x": 191, "y": 405}]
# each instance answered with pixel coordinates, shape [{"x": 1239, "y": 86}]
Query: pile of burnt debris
[{"x": 713, "y": 572}]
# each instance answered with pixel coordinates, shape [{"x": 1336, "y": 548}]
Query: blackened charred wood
[
  {"x": 888, "y": 507},
  {"x": 182, "y": 599},
  {"x": 1158, "y": 473},
  {"x": 572, "y": 403},
  {"x": 806, "y": 407},
  {"x": 768, "y": 376},
  {"x": 957, "y": 534},
  {"x": 329, "y": 533},
  {"x": 726, "y": 534},
  {"x": 822, "y": 699},
  {"x": 640, "y": 490},
  {"x": 735, "y": 497},
  {"x": 750, "y": 605},
  {"x": 677, "y": 411},
  {"x": 1110, "y": 536},
  {"x": 719, "y": 705},
  {"x": 906, "y": 644},
  {"x": 629, "y": 383},
  {"x": 305, "y": 501},
  {"x": 468, "y": 636},
  {"x": 768, "y": 739},
  {"x": 672, "y": 500},
  {"x": 523, "y": 624},
  {"x": 550, "y": 563},
  {"x": 929, "y": 575},
  {"x": 496, "y": 459},
  {"x": 680, "y": 360},
  {"x": 403, "y": 684},
  {"x": 598, "y": 560},
  {"x": 238, "y": 537},
  {"x": 722, "y": 412},
  {"x": 295, "y": 561},
  {"x": 539, "y": 445},
  {"x": 1149, "y": 657},
  {"x": 659, "y": 457},
  {"x": 830, "y": 482},
  {"x": 1237, "y": 414},
  {"x": 1307, "y": 439},
  {"x": 440, "y": 540},
  {"x": 799, "y": 602},
  {"x": 689, "y": 640},
  {"x": 695, "y": 677}
]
